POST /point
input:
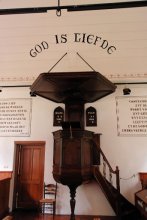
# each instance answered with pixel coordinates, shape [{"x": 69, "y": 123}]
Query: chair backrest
[{"x": 50, "y": 189}]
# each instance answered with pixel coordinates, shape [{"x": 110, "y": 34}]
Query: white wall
[{"x": 129, "y": 153}]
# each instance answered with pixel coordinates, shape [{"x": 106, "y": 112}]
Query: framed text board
[
  {"x": 15, "y": 117},
  {"x": 91, "y": 116},
  {"x": 131, "y": 115},
  {"x": 58, "y": 116}
]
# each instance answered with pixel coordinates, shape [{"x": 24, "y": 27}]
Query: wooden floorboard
[{"x": 28, "y": 215}]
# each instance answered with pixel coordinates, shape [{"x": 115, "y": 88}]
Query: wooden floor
[{"x": 28, "y": 215}]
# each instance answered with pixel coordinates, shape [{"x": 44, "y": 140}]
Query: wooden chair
[{"x": 48, "y": 203}]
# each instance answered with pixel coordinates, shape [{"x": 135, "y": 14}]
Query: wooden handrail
[
  {"x": 116, "y": 205},
  {"x": 116, "y": 171},
  {"x": 121, "y": 206},
  {"x": 107, "y": 162}
]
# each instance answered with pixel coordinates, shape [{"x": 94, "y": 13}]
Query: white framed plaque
[
  {"x": 131, "y": 115},
  {"x": 15, "y": 117}
]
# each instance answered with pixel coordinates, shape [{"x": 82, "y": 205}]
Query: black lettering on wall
[
  {"x": 85, "y": 38},
  {"x": 61, "y": 39},
  {"x": 39, "y": 48}
]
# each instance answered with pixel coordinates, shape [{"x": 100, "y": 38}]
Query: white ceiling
[{"x": 125, "y": 29}]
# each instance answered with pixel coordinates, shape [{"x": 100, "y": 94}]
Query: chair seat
[{"x": 48, "y": 203}]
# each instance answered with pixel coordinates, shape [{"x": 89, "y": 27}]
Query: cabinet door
[
  {"x": 4, "y": 197},
  {"x": 30, "y": 175}
]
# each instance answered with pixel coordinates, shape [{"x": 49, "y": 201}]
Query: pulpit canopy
[{"x": 62, "y": 87}]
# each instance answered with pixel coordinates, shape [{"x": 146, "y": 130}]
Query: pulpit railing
[
  {"x": 109, "y": 181},
  {"x": 108, "y": 172},
  {"x": 107, "y": 177},
  {"x": 104, "y": 166}
]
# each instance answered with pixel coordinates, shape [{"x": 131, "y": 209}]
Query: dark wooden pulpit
[{"x": 73, "y": 148}]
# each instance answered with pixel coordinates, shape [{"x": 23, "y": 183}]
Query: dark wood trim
[
  {"x": 29, "y": 142},
  {"x": 5, "y": 174}
]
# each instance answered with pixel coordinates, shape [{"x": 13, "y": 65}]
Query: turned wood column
[{"x": 72, "y": 200}]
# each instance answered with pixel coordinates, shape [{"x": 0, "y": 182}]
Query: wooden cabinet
[
  {"x": 141, "y": 202},
  {"x": 4, "y": 197},
  {"x": 141, "y": 196},
  {"x": 5, "y": 178}
]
